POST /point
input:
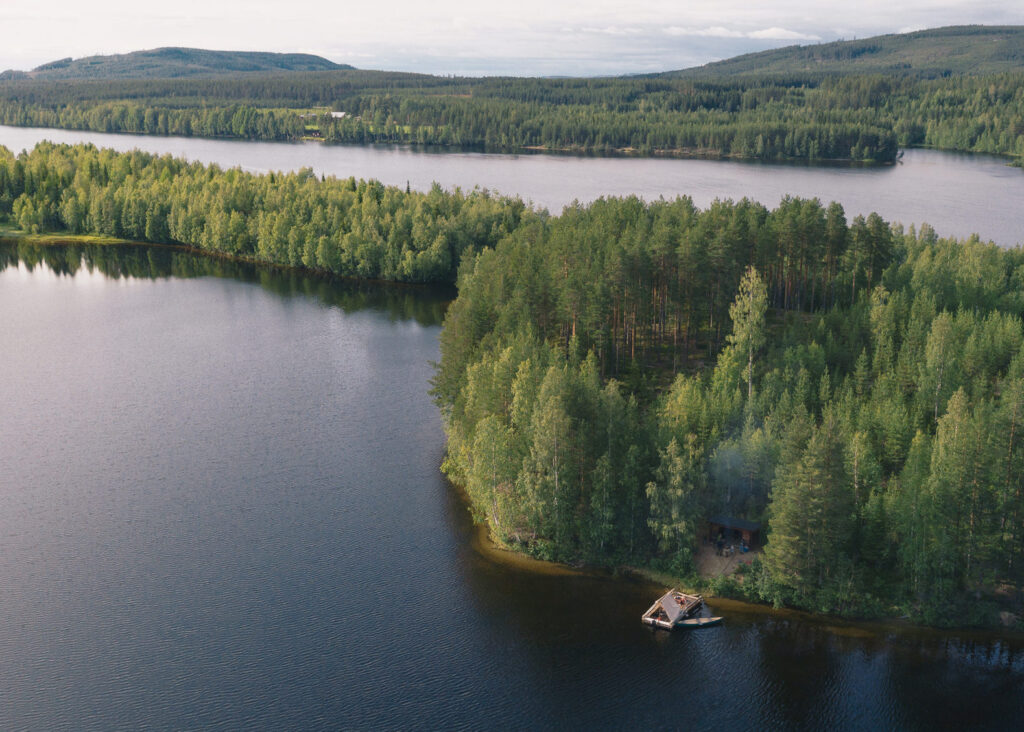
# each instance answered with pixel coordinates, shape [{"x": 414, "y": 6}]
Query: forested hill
[
  {"x": 171, "y": 63},
  {"x": 862, "y": 116},
  {"x": 964, "y": 49}
]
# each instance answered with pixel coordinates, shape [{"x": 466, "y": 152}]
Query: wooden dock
[{"x": 672, "y": 609}]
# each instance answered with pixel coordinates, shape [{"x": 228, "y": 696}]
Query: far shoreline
[{"x": 709, "y": 154}]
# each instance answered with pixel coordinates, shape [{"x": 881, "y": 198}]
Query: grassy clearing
[{"x": 10, "y": 232}]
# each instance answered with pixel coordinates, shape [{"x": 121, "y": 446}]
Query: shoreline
[
  {"x": 1010, "y": 159},
  {"x": 483, "y": 543},
  {"x": 13, "y": 235},
  {"x": 569, "y": 150}
]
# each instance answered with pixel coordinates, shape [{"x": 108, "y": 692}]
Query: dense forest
[
  {"x": 347, "y": 227},
  {"x": 613, "y": 375},
  {"x": 956, "y": 88},
  {"x": 807, "y": 116}
]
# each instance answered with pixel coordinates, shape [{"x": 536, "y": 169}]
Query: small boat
[
  {"x": 698, "y": 622},
  {"x": 673, "y": 608}
]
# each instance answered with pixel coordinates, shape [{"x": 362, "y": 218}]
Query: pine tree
[
  {"x": 673, "y": 496},
  {"x": 748, "y": 321},
  {"x": 812, "y": 514}
]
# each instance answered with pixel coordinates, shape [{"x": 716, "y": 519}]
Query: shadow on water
[{"x": 423, "y": 304}]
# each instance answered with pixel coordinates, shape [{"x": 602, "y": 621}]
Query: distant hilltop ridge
[
  {"x": 170, "y": 63},
  {"x": 937, "y": 52},
  {"x": 962, "y": 49}
]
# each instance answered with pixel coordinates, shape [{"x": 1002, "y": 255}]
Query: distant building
[{"x": 314, "y": 115}]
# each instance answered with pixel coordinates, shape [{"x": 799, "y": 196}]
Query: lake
[
  {"x": 221, "y": 508},
  {"x": 957, "y": 194}
]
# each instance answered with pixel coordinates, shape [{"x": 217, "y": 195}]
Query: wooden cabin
[
  {"x": 672, "y": 608},
  {"x": 733, "y": 530}
]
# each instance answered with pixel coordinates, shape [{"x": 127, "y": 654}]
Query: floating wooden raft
[{"x": 674, "y": 608}]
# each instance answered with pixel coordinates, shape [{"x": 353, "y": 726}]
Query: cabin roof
[
  {"x": 671, "y": 608},
  {"x": 731, "y": 522}
]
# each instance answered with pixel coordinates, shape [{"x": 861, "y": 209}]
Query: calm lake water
[
  {"x": 957, "y": 194},
  {"x": 220, "y": 507}
]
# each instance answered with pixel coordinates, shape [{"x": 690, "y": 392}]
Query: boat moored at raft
[{"x": 699, "y": 622}]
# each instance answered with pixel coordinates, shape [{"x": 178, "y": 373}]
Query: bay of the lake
[{"x": 220, "y": 508}]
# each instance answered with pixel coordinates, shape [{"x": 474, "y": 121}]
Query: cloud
[
  {"x": 765, "y": 34},
  {"x": 781, "y": 34},
  {"x": 713, "y": 32},
  {"x": 612, "y": 30}
]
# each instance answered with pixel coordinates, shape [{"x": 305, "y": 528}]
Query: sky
[{"x": 524, "y": 37}]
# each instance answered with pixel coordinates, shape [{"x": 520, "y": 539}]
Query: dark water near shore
[
  {"x": 220, "y": 507},
  {"x": 957, "y": 194}
]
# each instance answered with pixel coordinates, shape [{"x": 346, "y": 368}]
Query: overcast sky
[{"x": 524, "y": 37}]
